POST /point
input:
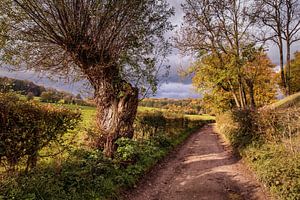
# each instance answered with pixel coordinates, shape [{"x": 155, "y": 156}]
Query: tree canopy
[
  {"x": 71, "y": 37},
  {"x": 295, "y": 73}
]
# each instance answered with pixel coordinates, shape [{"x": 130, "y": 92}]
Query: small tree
[
  {"x": 49, "y": 97},
  {"x": 113, "y": 44}
]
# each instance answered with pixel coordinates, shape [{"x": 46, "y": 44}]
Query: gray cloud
[{"x": 177, "y": 90}]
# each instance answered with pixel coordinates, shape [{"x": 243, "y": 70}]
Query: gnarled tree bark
[{"x": 117, "y": 102}]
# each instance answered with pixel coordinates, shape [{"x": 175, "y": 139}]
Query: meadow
[{"x": 89, "y": 113}]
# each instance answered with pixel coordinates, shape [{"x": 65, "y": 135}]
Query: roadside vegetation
[
  {"x": 59, "y": 158},
  {"x": 268, "y": 139}
]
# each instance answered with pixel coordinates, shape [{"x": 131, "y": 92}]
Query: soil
[{"x": 202, "y": 168}]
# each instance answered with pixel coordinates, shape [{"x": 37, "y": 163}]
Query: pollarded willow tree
[{"x": 112, "y": 43}]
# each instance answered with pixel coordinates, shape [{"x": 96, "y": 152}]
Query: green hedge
[{"x": 27, "y": 127}]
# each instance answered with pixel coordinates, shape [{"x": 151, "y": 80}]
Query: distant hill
[
  {"x": 22, "y": 86},
  {"x": 30, "y": 89}
]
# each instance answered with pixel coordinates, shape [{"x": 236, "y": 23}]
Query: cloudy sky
[{"x": 172, "y": 87}]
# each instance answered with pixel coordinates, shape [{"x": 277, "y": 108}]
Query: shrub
[
  {"x": 149, "y": 123},
  {"x": 280, "y": 123},
  {"x": 84, "y": 175},
  {"x": 277, "y": 168},
  {"x": 27, "y": 127},
  {"x": 239, "y": 127},
  {"x": 242, "y": 127},
  {"x": 50, "y": 97},
  {"x": 128, "y": 150}
]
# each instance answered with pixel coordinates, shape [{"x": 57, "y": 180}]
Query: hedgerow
[
  {"x": 28, "y": 127},
  {"x": 268, "y": 139}
]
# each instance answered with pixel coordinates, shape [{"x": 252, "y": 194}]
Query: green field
[{"x": 89, "y": 113}]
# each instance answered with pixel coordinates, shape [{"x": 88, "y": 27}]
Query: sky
[{"x": 173, "y": 86}]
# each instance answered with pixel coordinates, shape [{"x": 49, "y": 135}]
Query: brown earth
[{"x": 202, "y": 168}]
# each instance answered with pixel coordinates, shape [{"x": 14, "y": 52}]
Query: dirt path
[{"x": 201, "y": 169}]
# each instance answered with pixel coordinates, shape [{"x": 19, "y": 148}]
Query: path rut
[{"x": 202, "y": 169}]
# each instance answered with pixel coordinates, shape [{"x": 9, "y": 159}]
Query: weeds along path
[{"x": 203, "y": 168}]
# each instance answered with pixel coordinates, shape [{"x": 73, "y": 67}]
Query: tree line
[
  {"x": 48, "y": 95},
  {"x": 184, "y": 106}
]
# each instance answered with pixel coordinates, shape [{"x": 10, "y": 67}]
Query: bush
[
  {"x": 280, "y": 123},
  {"x": 239, "y": 127},
  {"x": 128, "y": 150},
  {"x": 84, "y": 175},
  {"x": 149, "y": 123},
  {"x": 27, "y": 127},
  {"x": 50, "y": 97}
]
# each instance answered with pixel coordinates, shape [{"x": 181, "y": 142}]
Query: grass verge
[{"x": 261, "y": 140}]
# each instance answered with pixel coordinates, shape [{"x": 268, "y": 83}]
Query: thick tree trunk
[
  {"x": 117, "y": 103},
  {"x": 282, "y": 74},
  {"x": 288, "y": 68},
  {"x": 234, "y": 95},
  {"x": 242, "y": 94},
  {"x": 251, "y": 94}
]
